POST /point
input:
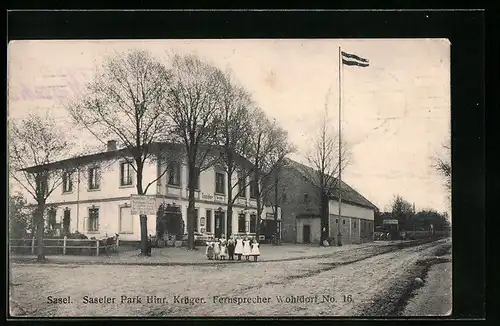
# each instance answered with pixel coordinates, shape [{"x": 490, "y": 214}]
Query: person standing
[
  {"x": 246, "y": 249},
  {"x": 255, "y": 249},
  {"x": 223, "y": 250},
  {"x": 230, "y": 248},
  {"x": 210, "y": 250},
  {"x": 216, "y": 249},
  {"x": 238, "y": 249}
]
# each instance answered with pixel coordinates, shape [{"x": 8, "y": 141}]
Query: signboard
[
  {"x": 390, "y": 222},
  {"x": 142, "y": 205},
  {"x": 207, "y": 196},
  {"x": 219, "y": 198}
]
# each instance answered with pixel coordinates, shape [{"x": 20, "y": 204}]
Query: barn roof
[{"x": 348, "y": 193}]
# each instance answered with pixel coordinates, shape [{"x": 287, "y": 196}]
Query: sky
[{"x": 395, "y": 112}]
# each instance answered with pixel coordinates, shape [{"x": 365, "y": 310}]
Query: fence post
[
  {"x": 97, "y": 248},
  {"x": 33, "y": 245},
  {"x": 64, "y": 245}
]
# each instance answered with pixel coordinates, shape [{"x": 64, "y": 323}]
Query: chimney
[{"x": 111, "y": 145}]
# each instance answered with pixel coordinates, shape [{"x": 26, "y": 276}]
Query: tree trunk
[
  {"x": 276, "y": 205},
  {"x": 259, "y": 213},
  {"x": 190, "y": 220},
  {"x": 325, "y": 212},
  {"x": 229, "y": 216},
  {"x": 143, "y": 218},
  {"x": 191, "y": 202},
  {"x": 39, "y": 231},
  {"x": 144, "y": 235}
]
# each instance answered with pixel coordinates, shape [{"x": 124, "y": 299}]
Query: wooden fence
[{"x": 87, "y": 246}]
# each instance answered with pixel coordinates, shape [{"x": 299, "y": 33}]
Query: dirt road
[{"x": 357, "y": 282}]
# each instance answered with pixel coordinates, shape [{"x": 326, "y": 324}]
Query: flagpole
[{"x": 339, "y": 240}]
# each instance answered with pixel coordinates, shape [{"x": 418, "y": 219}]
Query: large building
[
  {"x": 94, "y": 199},
  {"x": 300, "y": 209}
]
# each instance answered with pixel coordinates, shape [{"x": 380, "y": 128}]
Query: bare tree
[
  {"x": 193, "y": 107},
  {"x": 269, "y": 148},
  {"x": 442, "y": 163},
  {"x": 125, "y": 101},
  {"x": 34, "y": 144},
  {"x": 235, "y": 141},
  {"x": 323, "y": 169}
]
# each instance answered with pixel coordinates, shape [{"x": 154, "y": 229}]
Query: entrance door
[
  {"x": 306, "y": 234},
  {"x": 219, "y": 224}
]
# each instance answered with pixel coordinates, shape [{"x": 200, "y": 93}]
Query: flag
[{"x": 353, "y": 60}]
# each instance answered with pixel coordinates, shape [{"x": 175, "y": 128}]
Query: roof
[
  {"x": 106, "y": 155},
  {"x": 348, "y": 193}
]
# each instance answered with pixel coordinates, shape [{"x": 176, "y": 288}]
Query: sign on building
[
  {"x": 143, "y": 205},
  {"x": 390, "y": 222}
]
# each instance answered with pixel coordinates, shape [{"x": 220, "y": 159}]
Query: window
[
  {"x": 67, "y": 181},
  {"x": 284, "y": 197},
  {"x": 253, "y": 223},
  {"x": 354, "y": 224},
  {"x": 337, "y": 220},
  {"x": 196, "y": 178},
  {"x": 125, "y": 174},
  {"x": 209, "y": 221},
  {"x": 93, "y": 221},
  {"x": 51, "y": 221},
  {"x": 220, "y": 183},
  {"x": 94, "y": 177},
  {"x": 254, "y": 189},
  {"x": 343, "y": 221},
  {"x": 174, "y": 174},
  {"x": 306, "y": 198},
  {"x": 126, "y": 220},
  {"x": 241, "y": 184},
  {"x": 241, "y": 223}
]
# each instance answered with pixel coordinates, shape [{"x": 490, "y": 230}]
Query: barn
[{"x": 300, "y": 210}]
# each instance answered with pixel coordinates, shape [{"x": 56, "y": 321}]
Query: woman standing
[
  {"x": 246, "y": 249},
  {"x": 238, "y": 250}
]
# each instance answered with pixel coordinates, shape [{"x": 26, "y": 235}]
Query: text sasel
[{"x": 58, "y": 300}]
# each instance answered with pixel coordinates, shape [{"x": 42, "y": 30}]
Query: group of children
[{"x": 235, "y": 246}]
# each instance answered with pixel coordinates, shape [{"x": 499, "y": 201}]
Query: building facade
[
  {"x": 94, "y": 199},
  {"x": 300, "y": 210}
]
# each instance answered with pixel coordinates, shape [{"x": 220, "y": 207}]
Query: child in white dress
[
  {"x": 246, "y": 249},
  {"x": 255, "y": 249},
  {"x": 223, "y": 250},
  {"x": 216, "y": 249},
  {"x": 238, "y": 249}
]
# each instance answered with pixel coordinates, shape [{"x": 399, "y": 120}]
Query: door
[
  {"x": 219, "y": 224},
  {"x": 306, "y": 234}
]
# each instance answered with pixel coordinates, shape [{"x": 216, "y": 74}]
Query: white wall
[
  {"x": 109, "y": 184},
  {"x": 352, "y": 210},
  {"x": 315, "y": 227}
]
